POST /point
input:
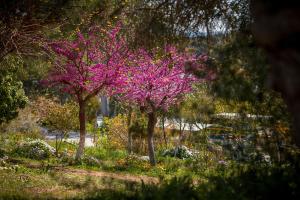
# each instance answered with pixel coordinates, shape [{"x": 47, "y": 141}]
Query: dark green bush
[
  {"x": 175, "y": 189},
  {"x": 254, "y": 182},
  {"x": 242, "y": 182}
]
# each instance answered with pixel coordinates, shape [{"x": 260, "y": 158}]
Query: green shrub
[
  {"x": 241, "y": 182},
  {"x": 181, "y": 152},
  {"x": 102, "y": 152},
  {"x": 174, "y": 189},
  {"x": 254, "y": 182},
  {"x": 35, "y": 149}
]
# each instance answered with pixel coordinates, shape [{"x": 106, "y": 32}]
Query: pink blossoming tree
[
  {"x": 158, "y": 80},
  {"x": 86, "y": 66}
]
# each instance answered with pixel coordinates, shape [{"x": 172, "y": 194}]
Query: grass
[
  {"x": 28, "y": 183},
  {"x": 251, "y": 183},
  {"x": 40, "y": 180},
  {"x": 119, "y": 161},
  {"x": 52, "y": 179},
  {"x": 112, "y": 160}
]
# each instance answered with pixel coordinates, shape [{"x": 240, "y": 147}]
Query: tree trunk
[
  {"x": 104, "y": 106},
  {"x": 129, "y": 131},
  {"x": 95, "y": 130},
  {"x": 164, "y": 130},
  {"x": 208, "y": 34},
  {"x": 278, "y": 148},
  {"x": 82, "y": 130},
  {"x": 56, "y": 145},
  {"x": 150, "y": 132},
  {"x": 181, "y": 132}
]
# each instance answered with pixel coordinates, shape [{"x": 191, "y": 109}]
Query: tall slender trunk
[
  {"x": 56, "y": 145},
  {"x": 150, "y": 132},
  {"x": 129, "y": 131},
  {"x": 190, "y": 132},
  {"x": 181, "y": 132},
  {"x": 208, "y": 34},
  {"x": 164, "y": 130},
  {"x": 278, "y": 147},
  {"x": 104, "y": 106},
  {"x": 82, "y": 130},
  {"x": 95, "y": 130},
  {"x": 58, "y": 142}
]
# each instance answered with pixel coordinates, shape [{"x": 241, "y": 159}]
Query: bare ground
[{"x": 111, "y": 175}]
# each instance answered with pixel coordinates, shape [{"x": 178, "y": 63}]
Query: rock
[
  {"x": 266, "y": 158},
  {"x": 144, "y": 158}
]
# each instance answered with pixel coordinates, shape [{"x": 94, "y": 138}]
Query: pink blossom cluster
[
  {"x": 88, "y": 64},
  {"x": 100, "y": 61},
  {"x": 159, "y": 79}
]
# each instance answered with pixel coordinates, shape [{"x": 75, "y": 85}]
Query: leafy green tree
[{"x": 12, "y": 96}]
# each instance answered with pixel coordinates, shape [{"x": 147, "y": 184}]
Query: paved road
[{"x": 73, "y": 137}]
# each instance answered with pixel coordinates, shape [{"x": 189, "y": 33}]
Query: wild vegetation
[{"x": 142, "y": 100}]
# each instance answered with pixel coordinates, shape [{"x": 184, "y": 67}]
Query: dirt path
[
  {"x": 92, "y": 173},
  {"x": 118, "y": 176}
]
